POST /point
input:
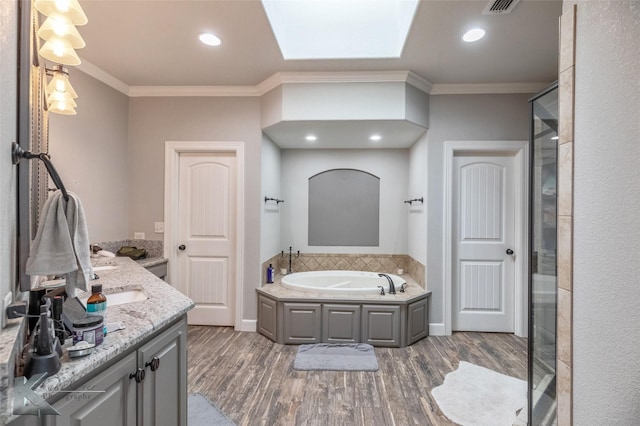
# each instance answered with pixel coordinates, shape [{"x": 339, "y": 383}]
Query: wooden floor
[{"x": 252, "y": 380}]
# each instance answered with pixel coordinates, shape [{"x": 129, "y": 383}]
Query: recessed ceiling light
[
  {"x": 210, "y": 39},
  {"x": 311, "y": 138},
  {"x": 555, "y": 138},
  {"x": 375, "y": 138},
  {"x": 474, "y": 34}
]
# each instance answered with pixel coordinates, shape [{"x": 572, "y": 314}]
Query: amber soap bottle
[{"x": 97, "y": 304}]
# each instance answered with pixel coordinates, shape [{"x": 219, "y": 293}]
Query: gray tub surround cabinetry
[
  {"x": 153, "y": 340},
  {"x": 296, "y": 317}
]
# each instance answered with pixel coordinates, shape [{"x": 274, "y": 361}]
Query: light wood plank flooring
[{"x": 252, "y": 380}]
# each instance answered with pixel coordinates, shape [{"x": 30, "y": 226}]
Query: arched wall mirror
[{"x": 344, "y": 208}]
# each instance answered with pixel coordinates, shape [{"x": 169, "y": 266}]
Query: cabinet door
[
  {"x": 417, "y": 321},
  {"x": 302, "y": 323},
  {"x": 108, "y": 399},
  {"x": 340, "y": 323},
  {"x": 267, "y": 317},
  {"x": 162, "y": 396},
  {"x": 381, "y": 325}
]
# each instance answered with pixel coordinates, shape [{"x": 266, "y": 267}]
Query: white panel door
[
  {"x": 483, "y": 290},
  {"x": 206, "y": 235}
]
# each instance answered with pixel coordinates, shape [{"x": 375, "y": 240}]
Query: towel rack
[
  {"x": 273, "y": 199},
  {"x": 415, "y": 200},
  {"x": 17, "y": 153}
]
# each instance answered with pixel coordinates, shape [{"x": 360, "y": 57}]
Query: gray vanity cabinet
[
  {"x": 302, "y": 323},
  {"x": 381, "y": 325},
  {"x": 340, "y": 323},
  {"x": 163, "y": 392},
  {"x": 113, "y": 397},
  {"x": 90, "y": 406}
]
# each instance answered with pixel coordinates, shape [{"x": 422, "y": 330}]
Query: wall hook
[
  {"x": 278, "y": 201},
  {"x": 415, "y": 200}
]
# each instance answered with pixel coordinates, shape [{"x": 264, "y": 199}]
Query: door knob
[
  {"x": 182, "y": 247},
  {"x": 509, "y": 252}
]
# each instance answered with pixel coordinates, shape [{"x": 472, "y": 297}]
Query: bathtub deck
[{"x": 252, "y": 380}]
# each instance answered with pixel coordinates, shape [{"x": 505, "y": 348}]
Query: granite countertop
[
  {"x": 140, "y": 319},
  {"x": 151, "y": 261},
  {"x": 412, "y": 292}
]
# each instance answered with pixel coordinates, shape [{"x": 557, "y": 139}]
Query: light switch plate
[
  {"x": 159, "y": 227},
  {"x": 138, "y": 235}
]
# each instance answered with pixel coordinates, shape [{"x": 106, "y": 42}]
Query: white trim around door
[
  {"x": 520, "y": 150},
  {"x": 173, "y": 149}
]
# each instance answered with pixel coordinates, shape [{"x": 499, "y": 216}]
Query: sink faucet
[{"x": 392, "y": 288}]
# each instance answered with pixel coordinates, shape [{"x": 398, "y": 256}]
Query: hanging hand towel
[{"x": 61, "y": 245}]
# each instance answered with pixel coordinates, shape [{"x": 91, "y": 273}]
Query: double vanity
[{"x": 138, "y": 376}]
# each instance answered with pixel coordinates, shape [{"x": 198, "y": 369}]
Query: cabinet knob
[
  {"x": 154, "y": 363},
  {"x": 138, "y": 375}
]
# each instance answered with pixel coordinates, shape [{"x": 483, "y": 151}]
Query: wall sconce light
[
  {"x": 59, "y": 30},
  {"x": 60, "y": 93},
  {"x": 69, "y": 8}
]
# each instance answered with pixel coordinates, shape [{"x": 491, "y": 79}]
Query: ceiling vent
[{"x": 496, "y": 7}]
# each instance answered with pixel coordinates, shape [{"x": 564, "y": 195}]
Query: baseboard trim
[
  {"x": 436, "y": 329},
  {"x": 248, "y": 325}
]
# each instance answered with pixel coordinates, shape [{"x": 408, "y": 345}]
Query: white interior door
[
  {"x": 483, "y": 275},
  {"x": 206, "y": 236}
]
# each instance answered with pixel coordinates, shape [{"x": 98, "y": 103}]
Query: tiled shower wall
[
  {"x": 385, "y": 263},
  {"x": 564, "y": 352}
]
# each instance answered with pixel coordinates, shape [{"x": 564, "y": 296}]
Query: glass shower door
[{"x": 543, "y": 279}]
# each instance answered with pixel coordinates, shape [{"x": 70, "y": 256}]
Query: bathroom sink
[
  {"x": 122, "y": 297},
  {"x": 104, "y": 268}
]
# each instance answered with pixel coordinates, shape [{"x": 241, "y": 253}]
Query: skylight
[{"x": 340, "y": 29}]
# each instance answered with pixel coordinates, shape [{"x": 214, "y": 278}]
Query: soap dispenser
[{"x": 270, "y": 274}]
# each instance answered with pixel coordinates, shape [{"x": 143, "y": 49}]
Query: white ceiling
[{"x": 154, "y": 43}]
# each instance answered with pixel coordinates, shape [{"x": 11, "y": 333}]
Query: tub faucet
[{"x": 392, "y": 288}]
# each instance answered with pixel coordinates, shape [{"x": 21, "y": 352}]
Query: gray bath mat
[
  {"x": 336, "y": 357},
  {"x": 201, "y": 412}
]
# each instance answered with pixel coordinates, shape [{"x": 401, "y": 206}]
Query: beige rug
[{"x": 476, "y": 396}]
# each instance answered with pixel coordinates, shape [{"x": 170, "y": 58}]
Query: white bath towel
[{"x": 61, "y": 246}]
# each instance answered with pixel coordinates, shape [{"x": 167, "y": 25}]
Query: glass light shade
[
  {"x": 60, "y": 83},
  {"x": 63, "y": 97},
  {"x": 57, "y": 28},
  {"x": 60, "y": 51},
  {"x": 70, "y": 8},
  {"x": 62, "y": 108}
]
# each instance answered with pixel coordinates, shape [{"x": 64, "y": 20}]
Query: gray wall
[
  {"x": 89, "y": 151},
  {"x": 606, "y": 265},
  {"x": 153, "y": 121},
  {"x": 391, "y": 165},
  {"x": 462, "y": 118},
  {"x": 8, "y": 116},
  {"x": 270, "y": 222}
]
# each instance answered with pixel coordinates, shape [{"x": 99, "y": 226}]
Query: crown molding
[
  {"x": 193, "y": 91},
  {"x": 281, "y": 78},
  {"x": 487, "y": 88},
  {"x": 103, "y": 76}
]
